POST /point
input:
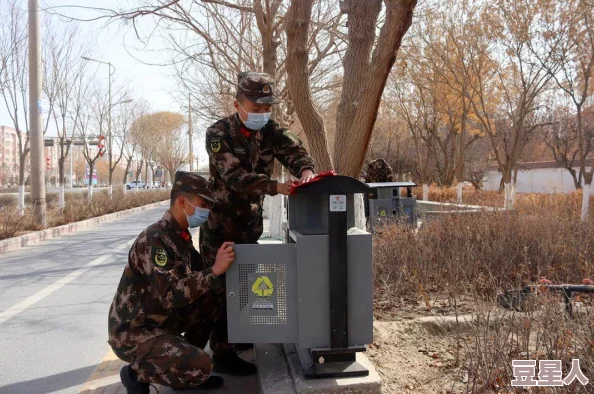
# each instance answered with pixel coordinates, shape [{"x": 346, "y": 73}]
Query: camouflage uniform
[
  {"x": 165, "y": 290},
  {"x": 241, "y": 164},
  {"x": 378, "y": 171}
]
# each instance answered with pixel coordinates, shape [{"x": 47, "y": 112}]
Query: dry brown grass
[
  {"x": 77, "y": 208},
  {"x": 463, "y": 261},
  {"x": 483, "y": 253},
  {"x": 566, "y": 206}
]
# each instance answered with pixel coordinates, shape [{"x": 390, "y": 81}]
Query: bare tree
[
  {"x": 14, "y": 82},
  {"x": 91, "y": 110},
  {"x": 569, "y": 58},
  {"x": 507, "y": 90},
  {"x": 172, "y": 147},
  {"x": 121, "y": 131},
  {"x": 64, "y": 70},
  {"x": 561, "y": 137}
]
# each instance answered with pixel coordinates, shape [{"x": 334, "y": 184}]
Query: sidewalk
[{"x": 106, "y": 380}]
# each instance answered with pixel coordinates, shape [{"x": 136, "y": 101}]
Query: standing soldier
[
  {"x": 241, "y": 150},
  {"x": 378, "y": 171},
  {"x": 165, "y": 291}
]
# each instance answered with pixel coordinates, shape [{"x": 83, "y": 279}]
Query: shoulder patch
[
  {"x": 159, "y": 257},
  {"x": 214, "y": 143}
]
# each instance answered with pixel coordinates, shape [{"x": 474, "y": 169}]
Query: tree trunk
[
  {"x": 509, "y": 195},
  {"x": 110, "y": 188},
  {"x": 275, "y": 216},
  {"x": 360, "y": 220},
  {"x": 461, "y": 149},
  {"x": 585, "y": 201},
  {"x": 297, "y": 26},
  {"x": 577, "y": 183},
  {"x": 21, "y": 201},
  {"x": 22, "y": 160},
  {"x": 128, "y": 165},
  {"x": 425, "y": 192},
  {"x": 62, "y": 202},
  {"x": 61, "y": 161},
  {"x": 90, "y": 187},
  {"x": 364, "y": 81}
]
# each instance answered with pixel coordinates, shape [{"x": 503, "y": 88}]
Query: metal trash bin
[
  {"x": 385, "y": 204},
  {"x": 316, "y": 289}
]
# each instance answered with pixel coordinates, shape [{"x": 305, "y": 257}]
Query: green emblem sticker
[{"x": 160, "y": 257}]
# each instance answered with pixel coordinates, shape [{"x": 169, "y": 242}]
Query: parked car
[{"x": 133, "y": 185}]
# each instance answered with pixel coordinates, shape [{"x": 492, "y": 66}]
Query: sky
[{"x": 117, "y": 44}]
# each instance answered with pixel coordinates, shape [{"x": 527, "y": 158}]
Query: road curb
[{"x": 11, "y": 244}]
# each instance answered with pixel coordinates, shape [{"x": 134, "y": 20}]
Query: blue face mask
[
  {"x": 198, "y": 218},
  {"x": 256, "y": 121}
]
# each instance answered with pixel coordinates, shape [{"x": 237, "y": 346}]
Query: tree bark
[
  {"x": 364, "y": 81},
  {"x": 90, "y": 187},
  {"x": 62, "y": 201},
  {"x": 61, "y": 169},
  {"x": 297, "y": 26},
  {"x": 585, "y": 201}
]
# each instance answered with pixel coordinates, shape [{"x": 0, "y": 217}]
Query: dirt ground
[
  {"x": 413, "y": 353},
  {"x": 411, "y": 357}
]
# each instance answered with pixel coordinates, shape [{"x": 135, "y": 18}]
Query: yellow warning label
[
  {"x": 262, "y": 287},
  {"x": 382, "y": 213}
]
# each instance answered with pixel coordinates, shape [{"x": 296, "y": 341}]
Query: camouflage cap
[
  {"x": 191, "y": 182},
  {"x": 257, "y": 87}
]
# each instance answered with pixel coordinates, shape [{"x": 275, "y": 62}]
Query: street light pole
[
  {"x": 35, "y": 116},
  {"x": 109, "y": 142}
]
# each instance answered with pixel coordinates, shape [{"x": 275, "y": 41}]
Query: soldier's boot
[
  {"x": 212, "y": 383},
  {"x": 230, "y": 363},
  {"x": 131, "y": 383}
]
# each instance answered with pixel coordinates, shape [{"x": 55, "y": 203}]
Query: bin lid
[{"x": 338, "y": 184}]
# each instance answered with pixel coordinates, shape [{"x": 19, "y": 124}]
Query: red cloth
[{"x": 321, "y": 175}]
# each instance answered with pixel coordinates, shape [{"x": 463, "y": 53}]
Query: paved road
[{"x": 54, "y": 305}]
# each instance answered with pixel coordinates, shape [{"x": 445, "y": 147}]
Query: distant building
[
  {"x": 9, "y": 157},
  {"x": 537, "y": 177}
]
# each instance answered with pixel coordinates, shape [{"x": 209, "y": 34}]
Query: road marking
[{"x": 41, "y": 294}]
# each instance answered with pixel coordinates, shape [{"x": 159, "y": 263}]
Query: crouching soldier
[{"x": 161, "y": 316}]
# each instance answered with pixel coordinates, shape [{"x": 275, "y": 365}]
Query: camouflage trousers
[
  {"x": 213, "y": 234},
  {"x": 178, "y": 359}
]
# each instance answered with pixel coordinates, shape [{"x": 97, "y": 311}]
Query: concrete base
[
  {"x": 273, "y": 372},
  {"x": 367, "y": 385},
  {"x": 279, "y": 371}
]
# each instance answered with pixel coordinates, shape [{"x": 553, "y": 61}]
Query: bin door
[{"x": 261, "y": 287}]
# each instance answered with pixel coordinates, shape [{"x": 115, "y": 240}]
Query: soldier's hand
[
  {"x": 307, "y": 176},
  {"x": 225, "y": 256},
  {"x": 284, "y": 188}
]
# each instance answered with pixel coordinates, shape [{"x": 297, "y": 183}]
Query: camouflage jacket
[
  {"x": 241, "y": 167},
  {"x": 379, "y": 171},
  {"x": 164, "y": 274}
]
